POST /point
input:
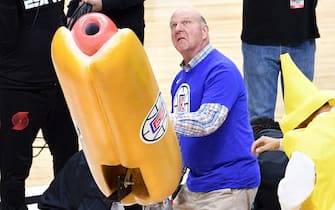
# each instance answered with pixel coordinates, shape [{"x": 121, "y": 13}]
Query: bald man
[{"x": 209, "y": 114}]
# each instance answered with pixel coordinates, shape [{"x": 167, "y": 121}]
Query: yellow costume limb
[
  {"x": 317, "y": 142},
  {"x": 121, "y": 117}
]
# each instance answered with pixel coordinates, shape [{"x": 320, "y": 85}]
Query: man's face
[
  {"x": 324, "y": 108},
  {"x": 188, "y": 32}
]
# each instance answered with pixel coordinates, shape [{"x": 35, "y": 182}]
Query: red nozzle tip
[{"x": 91, "y": 31}]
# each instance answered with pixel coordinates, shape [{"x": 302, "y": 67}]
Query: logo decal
[
  {"x": 155, "y": 125},
  {"x": 20, "y": 120},
  {"x": 181, "y": 101},
  {"x": 30, "y": 4}
]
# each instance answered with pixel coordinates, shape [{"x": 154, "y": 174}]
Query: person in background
[
  {"x": 272, "y": 165},
  {"x": 308, "y": 128},
  {"x": 75, "y": 188},
  {"x": 306, "y": 180},
  {"x": 269, "y": 30},
  {"x": 210, "y": 117},
  {"x": 31, "y": 98}
]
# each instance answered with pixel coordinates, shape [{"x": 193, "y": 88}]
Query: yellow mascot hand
[{"x": 113, "y": 96}]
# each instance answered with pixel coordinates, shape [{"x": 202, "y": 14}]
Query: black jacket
[
  {"x": 274, "y": 22},
  {"x": 75, "y": 189},
  {"x": 25, "y": 40},
  {"x": 9, "y": 22}
]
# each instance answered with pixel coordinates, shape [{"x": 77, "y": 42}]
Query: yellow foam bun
[{"x": 121, "y": 117}]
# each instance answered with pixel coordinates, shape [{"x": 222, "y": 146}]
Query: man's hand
[{"x": 265, "y": 143}]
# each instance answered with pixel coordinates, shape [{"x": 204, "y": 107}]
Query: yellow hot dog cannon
[{"x": 113, "y": 96}]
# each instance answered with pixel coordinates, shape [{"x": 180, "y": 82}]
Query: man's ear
[{"x": 205, "y": 31}]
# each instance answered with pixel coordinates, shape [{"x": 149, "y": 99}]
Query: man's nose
[{"x": 179, "y": 27}]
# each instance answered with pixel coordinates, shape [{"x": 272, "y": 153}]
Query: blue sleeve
[{"x": 222, "y": 86}]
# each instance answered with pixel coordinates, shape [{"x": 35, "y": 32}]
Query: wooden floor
[{"x": 224, "y": 19}]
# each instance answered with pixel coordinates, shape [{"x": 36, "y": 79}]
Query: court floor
[{"x": 224, "y": 19}]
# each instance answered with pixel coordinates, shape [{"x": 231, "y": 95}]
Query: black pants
[
  {"x": 22, "y": 114},
  {"x": 75, "y": 188}
]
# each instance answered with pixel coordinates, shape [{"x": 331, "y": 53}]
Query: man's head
[
  {"x": 264, "y": 126},
  {"x": 189, "y": 32}
]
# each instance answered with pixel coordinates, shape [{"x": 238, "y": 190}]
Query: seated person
[
  {"x": 74, "y": 188},
  {"x": 308, "y": 141},
  {"x": 272, "y": 165}
]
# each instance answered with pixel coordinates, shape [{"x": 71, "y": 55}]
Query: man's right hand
[{"x": 265, "y": 143}]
